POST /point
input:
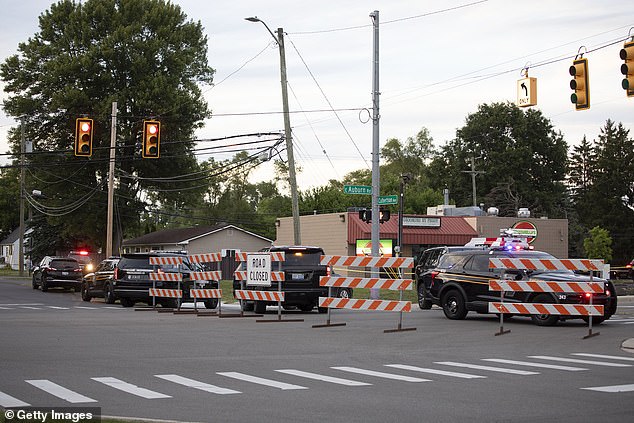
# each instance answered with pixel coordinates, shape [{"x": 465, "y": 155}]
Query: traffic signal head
[
  {"x": 579, "y": 83},
  {"x": 83, "y": 137},
  {"x": 627, "y": 68},
  {"x": 151, "y": 139},
  {"x": 384, "y": 215},
  {"x": 365, "y": 215}
]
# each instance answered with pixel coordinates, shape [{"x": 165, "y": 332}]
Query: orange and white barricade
[
  {"x": 261, "y": 295},
  {"x": 590, "y": 287},
  {"x": 372, "y": 283},
  {"x": 209, "y": 275},
  {"x": 160, "y": 276}
]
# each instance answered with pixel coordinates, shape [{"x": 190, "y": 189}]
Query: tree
[
  {"x": 523, "y": 157},
  {"x": 598, "y": 244},
  {"x": 143, "y": 54},
  {"x": 9, "y": 197}
]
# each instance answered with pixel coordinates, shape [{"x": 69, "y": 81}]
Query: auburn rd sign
[{"x": 357, "y": 189}]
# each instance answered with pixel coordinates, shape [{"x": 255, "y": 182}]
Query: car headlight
[{"x": 89, "y": 267}]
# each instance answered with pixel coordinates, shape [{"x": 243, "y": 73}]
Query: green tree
[
  {"x": 143, "y": 54},
  {"x": 598, "y": 245},
  {"x": 523, "y": 157},
  {"x": 9, "y": 197}
]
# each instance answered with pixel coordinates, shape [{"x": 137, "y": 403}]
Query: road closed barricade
[
  {"x": 400, "y": 285},
  {"x": 546, "y": 309},
  {"x": 258, "y": 274},
  {"x": 154, "y": 292}
]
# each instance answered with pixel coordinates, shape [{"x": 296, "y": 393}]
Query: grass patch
[{"x": 385, "y": 294}]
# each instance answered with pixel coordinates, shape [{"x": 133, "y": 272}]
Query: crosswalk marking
[
  {"x": 130, "y": 388},
  {"x": 191, "y": 383},
  {"x": 380, "y": 374},
  {"x": 572, "y": 360},
  {"x": 7, "y": 401},
  {"x": 531, "y": 364},
  {"x": 489, "y": 368},
  {"x": 31, "y": 308},
  {"x": 613, "y": 388},
  {"x": 609, "y": 357},
  {"x": 58, "y": 308},
  {"x": 86, "y": 308},
  {"x": 323, "y": 378},
  {"x": 59, "y": 391},
  {"x": 6, "y": 308},
  {"x": 435, "y": 371},
  {"x": 261, "y": 381}
]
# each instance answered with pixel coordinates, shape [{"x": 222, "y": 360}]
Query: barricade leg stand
[
  {"x": 400, "y": 327},
  {"x": 279, "y": 310},
  {"x": 502, "y": 331},
  {"x": 153, "y": 308},
  {"x": 328, "y": 324},
  {"x": 241, "y": 314},
  {"x": 590, "y": 334}
]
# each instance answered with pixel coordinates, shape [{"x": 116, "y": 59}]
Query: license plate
[
  {"x": 297, "y": 276},
  {"x": 64, "y": 273},
  {"x": 134, "y": 276}
]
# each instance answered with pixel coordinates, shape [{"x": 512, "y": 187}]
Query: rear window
[
  {"x": 302, "y": 257},
  {"x": 143, "y": 262},
  {"x": 64, "y": 263}
]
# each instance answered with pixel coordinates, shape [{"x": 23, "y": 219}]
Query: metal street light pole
[{"x": 292, "y": 179}]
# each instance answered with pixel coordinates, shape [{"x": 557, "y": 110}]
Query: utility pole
[
  {"x": 473, "y": 173},
  {"x": 113, "y": 138},
  {"x": 374, "y": 293},
  {"x": 292, "y": 179},
  {"x": 21, "y": 241}
]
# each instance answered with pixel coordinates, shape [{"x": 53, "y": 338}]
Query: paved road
[{"x": 59, "y": 351}]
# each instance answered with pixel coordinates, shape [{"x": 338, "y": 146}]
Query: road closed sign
[{"x": 259, "y": 269}]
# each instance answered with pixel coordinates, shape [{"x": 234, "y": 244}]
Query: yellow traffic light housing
[
  {"x": 151, "y": 139},
  {"x": 579, "y": 83},
  {"x": 627, "y": 68},
  {"x": 83, "y": 137}
]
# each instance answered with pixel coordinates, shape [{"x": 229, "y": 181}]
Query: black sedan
[
  {"x": 99, "y": 282},
  {"x": 63, "y": 272}
]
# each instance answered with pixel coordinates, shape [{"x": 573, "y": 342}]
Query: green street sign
[
  {"x": 357, "y": 189},
  {"x": 388, "y": 199}
]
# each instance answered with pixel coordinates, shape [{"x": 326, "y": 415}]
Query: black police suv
[
  {"x": 459, "y": 284},
  {"x": 99, "y": 282},
  {"x": 301, "y": 280},
  {"x": 131, "y": 281}
]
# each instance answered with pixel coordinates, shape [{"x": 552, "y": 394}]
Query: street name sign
[{"x": 357, "y": 189}]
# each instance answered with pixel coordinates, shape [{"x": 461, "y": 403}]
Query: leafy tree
[
  {"x": 9, "y": 195},
  {"x": 143, "y": 54},
  {"x": 598, "y": 244},
  {"x": 523, "y": 157}
]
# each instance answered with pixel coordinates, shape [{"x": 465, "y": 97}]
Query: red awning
[{"x": 453, "y": 230}]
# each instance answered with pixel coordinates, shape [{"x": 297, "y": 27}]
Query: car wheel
[
  {"x": 453, "y": 304},
  {"x": 259, "y": 307},
  {"x": 84, "y": 293},
  {"x": 344, "y": 293},
  {"x": 423, "y": 302},
  {"x": 211, "y": 304},
  {"x": 596, "y": 320},
  {"x": 44, "y": 284},
  {"x": 34, "y": 283},
  {"x": 544, "y": 319},
  {"x": 108, "y": 294},
  {"x": 246, "y": 305},
  {"x": 126, "y": 302}
]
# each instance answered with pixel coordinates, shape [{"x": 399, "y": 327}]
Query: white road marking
[
  {"x": 6, "y": 308},
  {"x": 380, "y": 374},
  {"x": 86, "y": 308},
  {"x": 59, "y": 391},
  {"x": 434, "y": 371},
  {"x": 23, "y": 304},
  {"x": 261, "y": 381},
  {"x": 531, "y": 364},
  {"x": 191, "y": 383},
  {"x": 613, "y": 388},
  {"x": 488, "y": 368},
  {"x": 323, "y": 378},
  {"x": 7, "y": 401},
  {"x": 130, "y": 388},
  {"x": 609, "y": 357},
  {"x": 31, "y": 308},
  {"x": 572, "y": 360},
  {"x": 59, "y": 308}
]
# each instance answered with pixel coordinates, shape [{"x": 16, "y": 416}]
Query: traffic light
[
  {"x": 83, "y": 137},
  {"x": 365, "y": 215},
  {"x": 627, "y": 68},
  {"x": 579, "y": 83},
  {"x": 151, "y": 139}
]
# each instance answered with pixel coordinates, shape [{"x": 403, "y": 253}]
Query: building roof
[
  {"x": 182, "y": 235},
  {"x": 12, "y": 237},
  {"x": 453, "y": 230}
]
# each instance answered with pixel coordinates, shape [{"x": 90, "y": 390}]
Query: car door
[{"x": 478, "y": 274}]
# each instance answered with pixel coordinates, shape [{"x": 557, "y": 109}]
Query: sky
[{"x": 438, "y": 60}]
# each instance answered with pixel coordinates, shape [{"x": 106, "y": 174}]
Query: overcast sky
[{"x": 438, "y": 61}]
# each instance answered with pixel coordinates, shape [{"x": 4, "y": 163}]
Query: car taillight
[
  {"x": 607, "y": 292},
  {"x": 50, "y": 268},
  {"x": 588, "y": 295},
  {"x": 328, "y": 270},
  {"x": 433, "y": 275},
  {"x": 78, "y": 269},
  {"x": 116, "y": 273}
]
